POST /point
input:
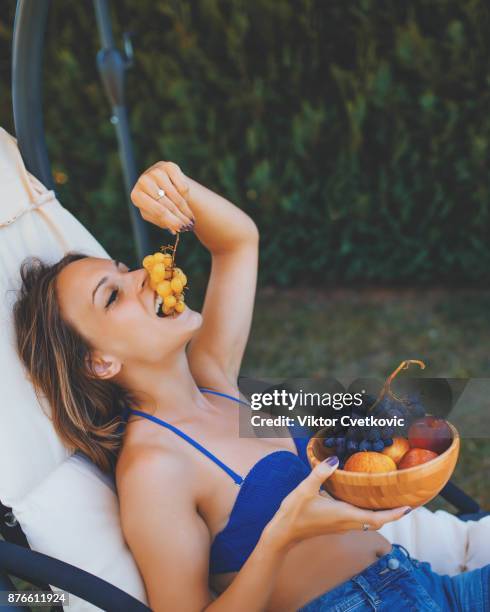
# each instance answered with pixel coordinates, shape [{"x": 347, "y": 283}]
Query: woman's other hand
[
  {"x": 308, "y": 512},
  {"x": 161, "y": 194}
]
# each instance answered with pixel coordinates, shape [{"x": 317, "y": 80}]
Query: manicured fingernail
[
  {"x": 333, "y": 460},
  {"x": 408, "y": 510}
]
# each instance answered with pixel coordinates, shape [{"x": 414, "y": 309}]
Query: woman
[{"x": 198, "y": 503}]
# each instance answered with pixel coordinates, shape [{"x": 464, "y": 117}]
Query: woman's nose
[{"x": 139, "y": 279}]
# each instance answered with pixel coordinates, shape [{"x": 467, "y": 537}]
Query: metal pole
[
  {"x": 112, "y": 66},
  {"x": 27, "y": 55}
]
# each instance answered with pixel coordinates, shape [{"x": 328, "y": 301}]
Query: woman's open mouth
[
  {"x": 158, "y": 306},
  {"x": 158, "y": 302}
]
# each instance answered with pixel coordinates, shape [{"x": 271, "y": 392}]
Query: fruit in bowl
[
  {"x": 406, "y": 486},
  {"x": 430, "y": 433},
  {"x": 370, "y": 462},
  {"x": 380, "y": 472},
  {"x": 416, "y": 456},
  {"x": 397, "y": 450}
]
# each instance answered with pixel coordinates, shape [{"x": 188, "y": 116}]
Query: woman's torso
[{"x": 311, "y": 567}]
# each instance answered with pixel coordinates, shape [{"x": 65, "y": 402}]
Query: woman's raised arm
[{"x": 216, "y": 351}]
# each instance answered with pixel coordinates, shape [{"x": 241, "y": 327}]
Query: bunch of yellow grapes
[{"x": 167, "y": 280}]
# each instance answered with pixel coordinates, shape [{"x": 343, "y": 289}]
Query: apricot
[
  {"x": 397, "y": 450},
  {"x": 416, "y": 456},
  {"x": 369, "y": 461}
]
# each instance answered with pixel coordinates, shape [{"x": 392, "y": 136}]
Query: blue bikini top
[{"x": 261, "y": 493}]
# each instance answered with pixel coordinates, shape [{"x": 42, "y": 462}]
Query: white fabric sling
[{"x": 65, "y": 505}]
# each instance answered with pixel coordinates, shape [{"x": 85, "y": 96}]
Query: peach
[
  {"x": 416, "y": 456},
  {"x": 369, "y": 461},
  {"x": 396, "y": 451}
]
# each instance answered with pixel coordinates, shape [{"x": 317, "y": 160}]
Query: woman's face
[{"x": 114, "y": 309}]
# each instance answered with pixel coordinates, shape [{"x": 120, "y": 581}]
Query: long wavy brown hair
[{"x": 87, "y": 412}]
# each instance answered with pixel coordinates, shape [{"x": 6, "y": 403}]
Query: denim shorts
[{"x": 398, "y": 582}]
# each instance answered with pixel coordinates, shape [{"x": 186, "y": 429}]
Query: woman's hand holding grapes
[{"x": 162, "y": 195}]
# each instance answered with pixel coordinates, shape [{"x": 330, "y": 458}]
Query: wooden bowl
[{"x": 410, "y": 487}]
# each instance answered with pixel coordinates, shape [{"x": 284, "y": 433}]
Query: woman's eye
[{"x": 112, "y": 297}]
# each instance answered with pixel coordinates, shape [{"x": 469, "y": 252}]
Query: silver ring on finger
[
  {"x": 365, "y": 527},
  {"x": 160, "y": 194}
]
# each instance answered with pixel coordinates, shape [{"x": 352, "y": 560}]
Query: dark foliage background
[{"x": 356, "y": 134}]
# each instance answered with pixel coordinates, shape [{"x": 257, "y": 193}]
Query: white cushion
[
  {"x": 29, "y": 447},
  {"x": 73, "y": 515},
  {"x": 478, "y": 552},
  {"x": 449, "y": 544},
  {"x": 65, "y": 506},
  {"x": 437, "y": 537}
]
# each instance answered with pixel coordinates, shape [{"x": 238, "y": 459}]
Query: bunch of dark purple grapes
[
  {"x": 345, "y": 441},
  {"x": 406, "y": 410}
]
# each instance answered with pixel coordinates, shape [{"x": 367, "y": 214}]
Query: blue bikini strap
[
  {"x": 235, "y": 399},
  {"x": 236, "y": 477},
  {"x": 299, "y": 441}
]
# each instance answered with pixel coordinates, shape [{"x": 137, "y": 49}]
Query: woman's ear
[{"x": 103, "y": 366}]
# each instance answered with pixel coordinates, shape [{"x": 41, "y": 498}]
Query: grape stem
[
  {"x": 172, "y": 248},
  {"x": 386, "y": 389}
]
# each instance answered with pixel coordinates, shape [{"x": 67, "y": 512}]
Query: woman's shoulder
[
  {"x": 155, "y": 464},
  {"x": 156, "y": 501}
]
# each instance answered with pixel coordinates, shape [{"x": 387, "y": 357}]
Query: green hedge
[{"x": 356, "y": 134}]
